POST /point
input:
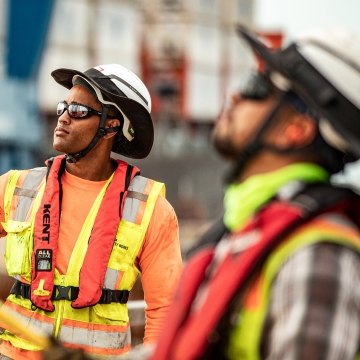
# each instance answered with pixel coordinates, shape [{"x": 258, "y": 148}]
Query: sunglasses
[
  {"x": 77, "y": 111},
  {"x": 257, "y": 88}
]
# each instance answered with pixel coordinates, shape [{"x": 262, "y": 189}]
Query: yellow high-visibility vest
[{"x": 101, "y": 330}]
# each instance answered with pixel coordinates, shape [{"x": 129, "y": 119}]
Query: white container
[
  {"x": 50, "y": 92},
  {"x": 203, "y": 94},
  {"x": 70, "y": 23},
  {"x": 116, "y": 27},
  {"x": 204, "y": 45}
]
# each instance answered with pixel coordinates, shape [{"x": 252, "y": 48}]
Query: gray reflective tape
[
  {"x": 138, "y": 184},
  {"x": 133, "y": 202},
  {"x": 131, "y": 209},
  {"x": 95, "y": 338},
  {"x": 42, "y": 326},
  {"x": 30, "y": 184},
  {"x": 111, "y": 277}
]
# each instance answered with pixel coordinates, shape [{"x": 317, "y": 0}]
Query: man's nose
[{"x": 64, "y": 118}]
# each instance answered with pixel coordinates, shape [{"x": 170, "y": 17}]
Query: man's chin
[
  {"x": 61, "y": 149},
  {"x": 224, "y": 149}
]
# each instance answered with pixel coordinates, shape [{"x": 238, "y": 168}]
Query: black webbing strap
[{"x": 71, "y": 293}]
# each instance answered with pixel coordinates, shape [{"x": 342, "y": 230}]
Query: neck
[
  {"x": 265, "y": 162},
  {"x": 93, "y": 168}
]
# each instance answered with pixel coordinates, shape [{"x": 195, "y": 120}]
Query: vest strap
[{"x": 70, "y": 293}]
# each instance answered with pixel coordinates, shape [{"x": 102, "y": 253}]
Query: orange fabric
[
  {"x": 159, "y": 259},
  {"x": 160, "y": 264},
  {"x": 78, "y": 197},
  {"x": 100, "y": 327},
  {"x": 14, "y": 353}
]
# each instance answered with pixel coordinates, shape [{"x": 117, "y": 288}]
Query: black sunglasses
[
  {"x": 77, "y": 111},
  {"x": 257, "y": 88}
]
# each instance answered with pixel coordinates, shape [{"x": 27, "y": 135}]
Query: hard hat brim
[
  {"x": 139, "y": 117},
  {"x": 270, "y": 57}
]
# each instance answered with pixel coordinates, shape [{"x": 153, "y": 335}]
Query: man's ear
[
  {"x": 110, "y": 124},
  {"x": 298, "y": 132}
]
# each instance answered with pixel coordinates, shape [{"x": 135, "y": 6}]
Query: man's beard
[{"x": 225, "y": 148}]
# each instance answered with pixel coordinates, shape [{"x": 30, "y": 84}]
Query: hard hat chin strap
[
  {"x": 245, "y": 155},
  {"x": 102, "y": 131}
]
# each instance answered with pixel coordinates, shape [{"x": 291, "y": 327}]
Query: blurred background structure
[{"x": 187, "y": 53}]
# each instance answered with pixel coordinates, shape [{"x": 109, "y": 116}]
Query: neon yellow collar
[{"x": 243, "y": 199}]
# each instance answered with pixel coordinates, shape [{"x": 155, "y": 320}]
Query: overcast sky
[{"x": 295, "y": 17}]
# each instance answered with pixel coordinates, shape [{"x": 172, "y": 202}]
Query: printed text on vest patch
[{"x": 46, "y": 223}]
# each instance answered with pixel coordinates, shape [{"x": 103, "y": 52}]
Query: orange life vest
[{"x": 46, "y": 232}]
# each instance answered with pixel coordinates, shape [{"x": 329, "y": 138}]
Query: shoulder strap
[
  {"x": 320, "y": 197},
  {"x": 210, "y": 238}
]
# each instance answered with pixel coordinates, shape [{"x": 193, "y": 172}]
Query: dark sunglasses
[
  {"x": 258, "y": 87},
  {"x": 77, "y": 111}
]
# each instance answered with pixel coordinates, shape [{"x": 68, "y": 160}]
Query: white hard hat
[
  {"x": 116, "y": 85},
  {"x": 324, "y": 70}
]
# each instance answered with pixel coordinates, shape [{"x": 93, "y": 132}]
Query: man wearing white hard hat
[
  {"x": 82, "y": 229},
  {"x": 278, "y": 277}
]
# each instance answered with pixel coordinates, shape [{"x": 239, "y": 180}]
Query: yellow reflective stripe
[
  {"x": 95, "y": 338},
  {"x": 156, "y": 190},
  {"x": 81, "y": 245}
]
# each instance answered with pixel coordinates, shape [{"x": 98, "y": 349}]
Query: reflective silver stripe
[
  {"x": 132, "y": 204},
  {"x": 26, "y": 192},
  {"x": 111, "y": 277},
  {"x": 96, "y": 338},
  {"x": 42, "y": 326}
]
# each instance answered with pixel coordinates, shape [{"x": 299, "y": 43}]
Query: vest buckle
[{"x": 64, "y": 293}]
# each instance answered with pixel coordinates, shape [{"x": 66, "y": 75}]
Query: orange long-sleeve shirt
[{"x": 159, "y": 259}]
